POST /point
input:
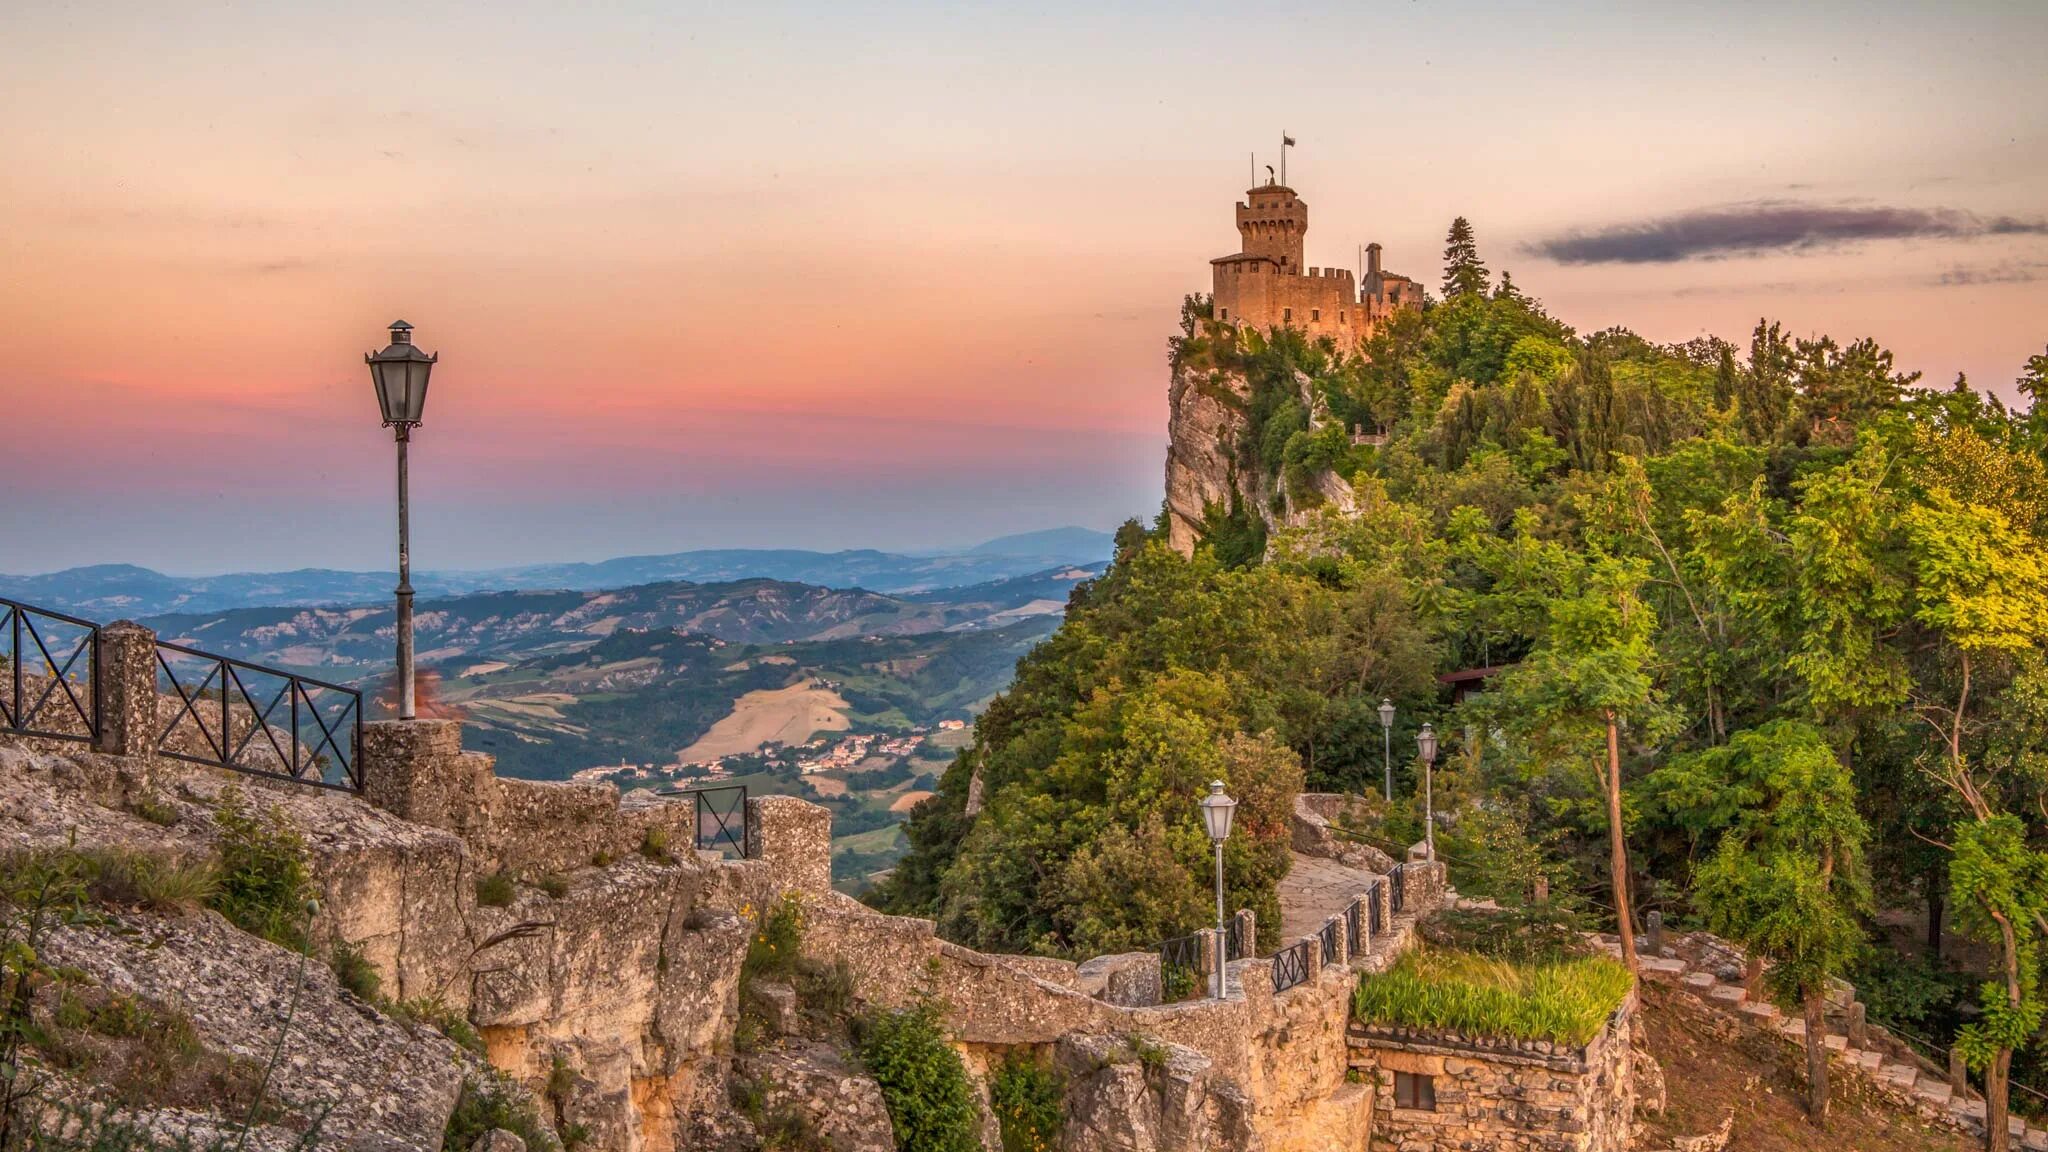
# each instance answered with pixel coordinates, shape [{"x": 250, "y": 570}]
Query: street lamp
[
  {"x": 1425, "y": 743},
  {"x": 1387, "y": 731},
  {"x": 400, "y": 374},
  {"x": 1216, "y": 812}
]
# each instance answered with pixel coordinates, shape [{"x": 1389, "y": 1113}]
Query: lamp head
[
  {"x": 1216, "y": 812},
  {"x": 399, "y": 374},
  {"x": 1425, "y": 743}
]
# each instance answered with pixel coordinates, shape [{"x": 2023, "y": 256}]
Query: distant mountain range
[
  {"x": 108, "y": 591},
  {"x": 458, "y": 633}
]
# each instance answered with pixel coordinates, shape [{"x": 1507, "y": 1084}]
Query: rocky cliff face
[{"x": 1207, "y": 465}]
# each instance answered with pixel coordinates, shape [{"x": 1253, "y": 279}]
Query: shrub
[
  {"x": 1567, "y": 1000},
  {"x": 555, "y": 885},
  {"x": 490, "y": 1100},
  {"x": 495, "y": 890},
  {"x": 355, "y": 972},
  {"x": 931, "y": 1104},
  {"x": 263, "y": 885},
  {"x": 1026, "y": 1095},
  {"x": 154, "y": 810}
]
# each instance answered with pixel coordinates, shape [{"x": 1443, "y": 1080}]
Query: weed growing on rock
[
  {"x": 152, "y": 809},
  {"x": 495, "y": 890},
  {"x": 491, "y": 1100},
  {"x": 555, "y": 885},
  {"x": 263, "y": 884},
  {"x": 355, "y": 972},
  {"x": 437, "y": 1014},
  {"x": 1025, "y": 1095},
  {"x": 654, "y": 845}
]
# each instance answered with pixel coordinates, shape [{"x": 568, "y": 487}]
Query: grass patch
[
  {"x": 125, "y": 878},
  {"x": 654, "y": 844},
  {"x": 495, "y": 890},
  {"x": 436, "y": 1014},
  {"x": 555, "y": 885},
  {"x": 1565, "y": 1000}
]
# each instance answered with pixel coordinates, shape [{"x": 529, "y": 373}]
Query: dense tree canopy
[{"x": 1773, "y": 625}]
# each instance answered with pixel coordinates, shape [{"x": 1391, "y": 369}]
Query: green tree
[
  {"x": 1464, "y": 273},
  {"x": 1785, "y": 877}
]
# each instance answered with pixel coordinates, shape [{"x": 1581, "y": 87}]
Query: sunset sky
[{"x": 897, "y": 276}]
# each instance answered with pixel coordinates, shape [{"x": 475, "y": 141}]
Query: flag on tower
[{"x": 1286, "y": 141}]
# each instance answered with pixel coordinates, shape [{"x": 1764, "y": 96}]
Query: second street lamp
[
  {"x": 400, "y": 374},
  {"x": 1425, "y": 743},
  {"x": 1387, "y": 733},
  {"x": 1216, "y": 812}
]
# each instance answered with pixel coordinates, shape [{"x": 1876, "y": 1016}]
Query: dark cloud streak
[{"x": 1770, "y": 226}]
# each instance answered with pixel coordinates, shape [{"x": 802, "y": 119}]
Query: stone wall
[{"x": 1503, "y": 1094}]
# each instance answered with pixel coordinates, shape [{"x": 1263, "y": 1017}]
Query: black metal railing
[
  {"x": 1353, "y": 913},
  {"x": 1180, "y": 967},
  {"x": 1328, "y": 936},
  {"x": 1375, "y": 915},
  {"x": 1290, "y": 965},
  {"x": 52, "y": 662},
  {"x": 1235, "y": 946},
  {"x": 720, "y": 819},
  {"x": 1397, "y": 895},
  {"x": 259, "y": 720}
]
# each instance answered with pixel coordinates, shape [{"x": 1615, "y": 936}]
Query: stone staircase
[{"x": 1885, "y": 1062}]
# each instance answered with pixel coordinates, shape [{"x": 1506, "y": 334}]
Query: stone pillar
[
  {"x": 1958, "y": 1072},
  {"x": 127, "y": 690},
  {"x": 1653, "y": 933},
  {"x": 1248, "y": 931},
  {"x": 416, "y": 769},
  {"x": 1343, "y": 953},
  {"x": 795, "y": 836},
  {"x": 1859, "y": 1028}
]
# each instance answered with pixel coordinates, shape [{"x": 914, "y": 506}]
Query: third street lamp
[{"x": 400, "y": 374}]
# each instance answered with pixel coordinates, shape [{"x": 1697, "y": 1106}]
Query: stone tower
[{"x": 1272, "y": 223}]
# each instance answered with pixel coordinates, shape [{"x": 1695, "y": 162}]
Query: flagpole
[{"x": 1283, "y": 157}]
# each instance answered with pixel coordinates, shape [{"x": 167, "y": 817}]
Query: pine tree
[{"x": 1463, "y": 271}]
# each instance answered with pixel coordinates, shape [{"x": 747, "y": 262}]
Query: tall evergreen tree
[{"x": 1463, "y": 271}]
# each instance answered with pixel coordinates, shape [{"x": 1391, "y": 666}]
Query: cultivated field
[{"x": 785, "y": 716}]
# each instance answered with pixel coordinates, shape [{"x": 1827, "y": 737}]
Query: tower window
[
  {"x": 1286, "y": 314},
  {"x": 1223, "y": 314},
  {"x": 1315, "y": 315},
  {"x": 1414, "y": 1090}
]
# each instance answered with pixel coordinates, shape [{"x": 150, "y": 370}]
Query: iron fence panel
[
  {"x": 52, "y": 666},
  {"x": 259, "y": 720},
  {"x": 1290, "y": 965}
]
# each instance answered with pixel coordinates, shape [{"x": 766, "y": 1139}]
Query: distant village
[{"x": 820, "y": 754}]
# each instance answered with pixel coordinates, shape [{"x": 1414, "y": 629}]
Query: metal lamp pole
[
  {"x": 1387, "y": 731},
  {"x": 400, "y": 375},
  {"x": 1216, "y": 812},
  {"x": 1425, "y": 743}
]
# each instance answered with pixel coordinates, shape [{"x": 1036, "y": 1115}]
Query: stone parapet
[{"x": 795, "y": 837}]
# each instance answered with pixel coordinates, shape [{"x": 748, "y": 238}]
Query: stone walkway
[
  {"x": 1314, "y": 890},
  {"x": 1928, "y": 1092}
]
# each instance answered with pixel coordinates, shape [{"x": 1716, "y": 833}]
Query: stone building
[
  {"x": 1438, "y": 1091},
  {"x": 1265, "y": 286}
]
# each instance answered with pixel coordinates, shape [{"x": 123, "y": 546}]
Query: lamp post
[
  {"x": 400, "y": 374},
  {"x": 1387, "y": 731},
  {"x": 1216, "y": 812},
  {"x": 1425, "y": 743}
]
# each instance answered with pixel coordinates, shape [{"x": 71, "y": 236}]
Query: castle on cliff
[{"x": 1264, "y": 285}]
